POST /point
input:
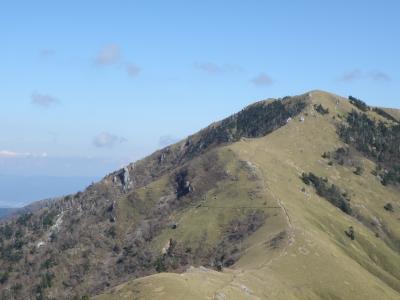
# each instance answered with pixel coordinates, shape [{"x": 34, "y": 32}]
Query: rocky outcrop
[{"x": 123, "y": 178}]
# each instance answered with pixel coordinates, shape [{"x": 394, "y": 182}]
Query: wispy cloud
[
  {"x": 7, "y": 153},
  {"x": 13, "y": 154},
  {"x": 107, "y": 140},
  {"x": 377, "y": 75},
  {"x": 357, "y": 74},
  {"x": 166, "y": 140},
  {"x": 208, "y": 67},
  {"x": 132, "y": 69},
  {"x": 262, "y": 79},
  {"x": 108, "y": 55},
  {"x": 46, "y": 53},
  {"x": 352, "y": 75},
  {"x": 212, "y": 68},
  {"x": 43, "y": 100}
]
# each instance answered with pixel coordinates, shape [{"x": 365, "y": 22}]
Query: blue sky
[{"x": 87, "y": 86}]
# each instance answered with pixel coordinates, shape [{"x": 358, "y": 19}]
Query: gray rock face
[
  {"x": 162, "y": 157},
  {"x": 123, "y": 178},
  {"x": 126, "y": 178}
]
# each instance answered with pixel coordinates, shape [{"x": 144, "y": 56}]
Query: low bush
[
  {"x": 328, "y": 191},
  {"x": 24, "y": 218},
  {"x": 359, "y": 170},
  {"x": 159, "y": 264},
  {"x": 48, "y": 219},
  {"x": 361, "y": 105},
  {"x": 3, "y": 277},
  {"x": 384, "y": 114},
  {"x": 6, "y": 231},
  {"x": 350, "y": 233},
  {"x": 48, "y": 263},
  {"x": 320, "y": 109},
  {"x": 389, "y": 207}
]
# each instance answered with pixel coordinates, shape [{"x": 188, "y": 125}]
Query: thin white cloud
[
  {"x": 132, "y": 69},
  {"x": 111, "y": 55},
  {"x": 46, "y": 53},
  {"x": 6, "y": 153},
  {"x": 107, "y": 140},
  {"x": 352, "y": 76},
  {"x": 357, "y": 74},
  {"x": 212, "y": 68},
  {"x": 377, "y": 75},
  {"x": 208, "y": 67},
  {"x": 13, "y": 154},
  {"x": 43, "y": 100},
  {"x": 262, "y": 79},
  {"x": 108, "y": 55}
]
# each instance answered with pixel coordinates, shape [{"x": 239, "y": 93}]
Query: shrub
[
  {"x": 385, "y": 114},
  {"x": 326, "y": 155},
  {"x": 6, "y": 231},
  {"x": 320, "y": 109},
  {"x": 159, "y": 264},
  {"x": 18, "y": 244},
  {"x": 16, "y": 288},
  {"x": 361, "y": 105},
  {"x": 389, "y": 207},
  {"x": 48, "y": 263},
  {"x": 350, "y": 233},
  {"x": 3, "y": 277},
  {"x": 341, "y": 155},
  {"x": 48, "y": 219},
  {"x": 112, "y": 232},
  {"x": 328, "y": 191},
  {"x": 24, "y": 218},
  {"x": 359, "y": 170},
  {"x": 19, "y": 234},
  {"x": 10, "y": 254},
  {"x": 46, "y": 280}
]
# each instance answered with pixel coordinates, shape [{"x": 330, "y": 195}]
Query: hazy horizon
[{"x": 38, "y": 187}]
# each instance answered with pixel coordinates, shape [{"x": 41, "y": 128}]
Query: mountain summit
[{"x": 292, "y": 198}]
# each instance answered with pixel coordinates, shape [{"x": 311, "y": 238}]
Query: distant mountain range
[
  {"x": 18, "y": 191},
  {"x": 5, "y": 211}
]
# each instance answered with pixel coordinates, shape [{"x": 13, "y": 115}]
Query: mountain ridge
[{"x": 230, "y": 198}]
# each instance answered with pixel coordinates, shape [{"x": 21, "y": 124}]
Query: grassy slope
[
  {"x": 394, "y": 112},
  {"x": 314, "y": 260}
]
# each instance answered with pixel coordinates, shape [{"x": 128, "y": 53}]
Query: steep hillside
[
  {"x": 305, "y": 249},
  {"x": 395, "y": 113},
  {"x": 283, "y": 200},
  {"x": 81, "y": 244}
]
